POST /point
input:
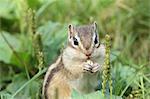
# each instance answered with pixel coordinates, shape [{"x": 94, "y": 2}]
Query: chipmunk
[{"x": 78, "y": 66}]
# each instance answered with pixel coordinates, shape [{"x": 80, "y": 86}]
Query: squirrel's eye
[
  {"x": 75, "y": 41},
  {"x": 96, "y": 41}
]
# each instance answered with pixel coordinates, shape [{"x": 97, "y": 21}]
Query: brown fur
[
  {"x": 67, "y": 72},
  {"x": 85, "y": 32},
  {"x": 59, "y": 87}
]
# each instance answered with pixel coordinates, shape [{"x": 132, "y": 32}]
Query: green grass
[{"x": 127, "y": 21}]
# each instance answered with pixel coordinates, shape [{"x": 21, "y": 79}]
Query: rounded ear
[{"x": 70, "y": 30}]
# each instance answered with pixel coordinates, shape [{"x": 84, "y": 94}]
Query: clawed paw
[
  {"x": 91, "y": 67},
  {"x": 96, "y": 67},
  {"x": 88, "y": 66}
]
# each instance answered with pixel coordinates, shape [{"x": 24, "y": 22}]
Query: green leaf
[
  {"x": 94, "y": 95},
  {"x": 53, "y": 38},
  {"x": 44, "y": 6},
  {"x": 122, "y": 75},
  {"x": 31, "y": 91},
  {"x": 6, "y": 7},
  {"x": 5, "y": 95},
  {"x": 114, "y": 54},
  {"x": 5, "y": 50}
]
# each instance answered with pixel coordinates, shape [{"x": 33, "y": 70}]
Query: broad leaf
[{"x": 5, "y": 50}]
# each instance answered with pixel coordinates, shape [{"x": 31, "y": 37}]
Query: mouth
[{"x": 88, "y": 57}]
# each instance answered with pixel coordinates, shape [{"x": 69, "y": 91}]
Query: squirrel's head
[{"x": 84, "y": 39}]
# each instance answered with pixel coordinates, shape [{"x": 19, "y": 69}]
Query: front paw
[
  {"x": 87, "y": 66},
  {"x": 95, "y": 67}
]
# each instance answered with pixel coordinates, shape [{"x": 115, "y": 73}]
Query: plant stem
[
  {"x": 106, "y": 72},
  {"x": 28, "y": 82}
]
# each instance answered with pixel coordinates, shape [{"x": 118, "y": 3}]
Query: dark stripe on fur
[
  {"x": 52, "y": 73},
  {"x": 98, "y": 45}
]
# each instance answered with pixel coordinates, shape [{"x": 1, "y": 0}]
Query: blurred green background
[{"x": 127, "y": 21}]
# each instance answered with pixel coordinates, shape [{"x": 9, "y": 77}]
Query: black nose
[{"x": 88, "y": 54}]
